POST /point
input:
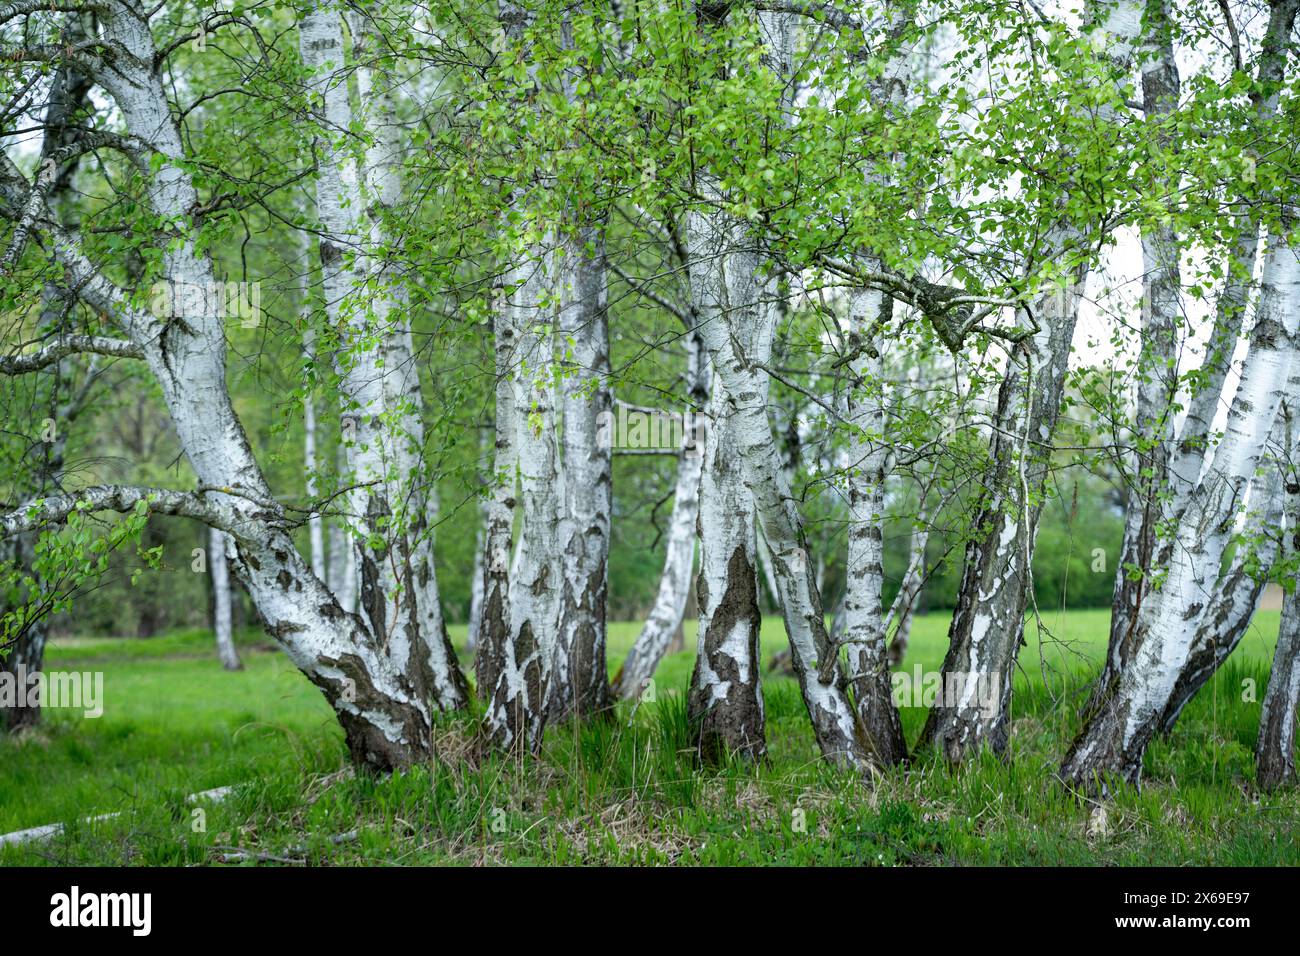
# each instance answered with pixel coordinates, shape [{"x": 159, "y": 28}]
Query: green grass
[{"x": 626, "y": 790}]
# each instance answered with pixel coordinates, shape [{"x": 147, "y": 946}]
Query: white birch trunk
[
  {"x": 864, "y": 623},
  {"x": 499, "y": 680},
  {"x": 342, "y": 570},
  {"x": 476, "y": 579},
  {"x": 69, "y": 89},
  {"x": 219, "y": 569},
  {"x": 398, "y": 594},
  {"x": 987, "y": 627},
  {"x": 903, "y": 610},
  {"x": 769, "y": 576},
  {"x": 725, "y": 700},
  {"x": 315, "y": 523},
  {"x": 1275, "y": 748},
  {"x": 1115, "y": 739},
  {"x": 1237, "y": 593},
  {"x": 517, "y": 709},
  {"x": 580, "y": 684}
]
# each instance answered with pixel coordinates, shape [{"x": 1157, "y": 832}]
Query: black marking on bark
[{"x": 735, "y": 723}]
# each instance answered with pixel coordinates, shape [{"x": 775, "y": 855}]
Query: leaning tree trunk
[
  {"x": 1115, "y": 738},
  {"x": 385, "y": 719},
  {"x": 1157, "y": 376},
  {"x": 1182, "y": 461},
  {"x": 665, "y": 617},
  {"x": 219, "y": 569},
  {"x": 1275, "y": 749},
  {"x": 1236, "y": 594},
  {"x": 987, "y": 628}
]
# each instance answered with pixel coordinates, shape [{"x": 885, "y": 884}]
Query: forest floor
[{"x": 623, "y": 791}]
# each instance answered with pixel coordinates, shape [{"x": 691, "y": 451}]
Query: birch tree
[
  {"x": 68, "y": 90},
  {"x": 382, "y": 428},
  {"x": 1275, "y": 748},
  {"x": 1115, "y": 738},
  {"x": 1168, "y": 465},
  {"x": 523, "y": 596},
  {"x": 384, "y": 717},
  {"x": 219, "y": 569},
  {"x": 987, "y": 627}
]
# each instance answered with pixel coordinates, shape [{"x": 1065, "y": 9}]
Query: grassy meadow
[{"x": 621, "y": 791}]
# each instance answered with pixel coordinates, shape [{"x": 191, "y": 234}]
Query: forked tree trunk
[
  {"x": 665, "y": 618},
  {"x": 398, "y": 595},
  {"x": 987, "y": 629},
  {"x": 725, "y": 701},
  {"x": 736, "y": 349},
  {"x": 1157, "y": 372},
  {"x": 1236, "y": 595},
  {"x": 1115, "y": 738},
  {"x": 385, "y": 720}
]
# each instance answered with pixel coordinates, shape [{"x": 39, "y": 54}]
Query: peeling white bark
[
  {"x": 1236, "y": 595},
  {"x": 523, "y": 623}
]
